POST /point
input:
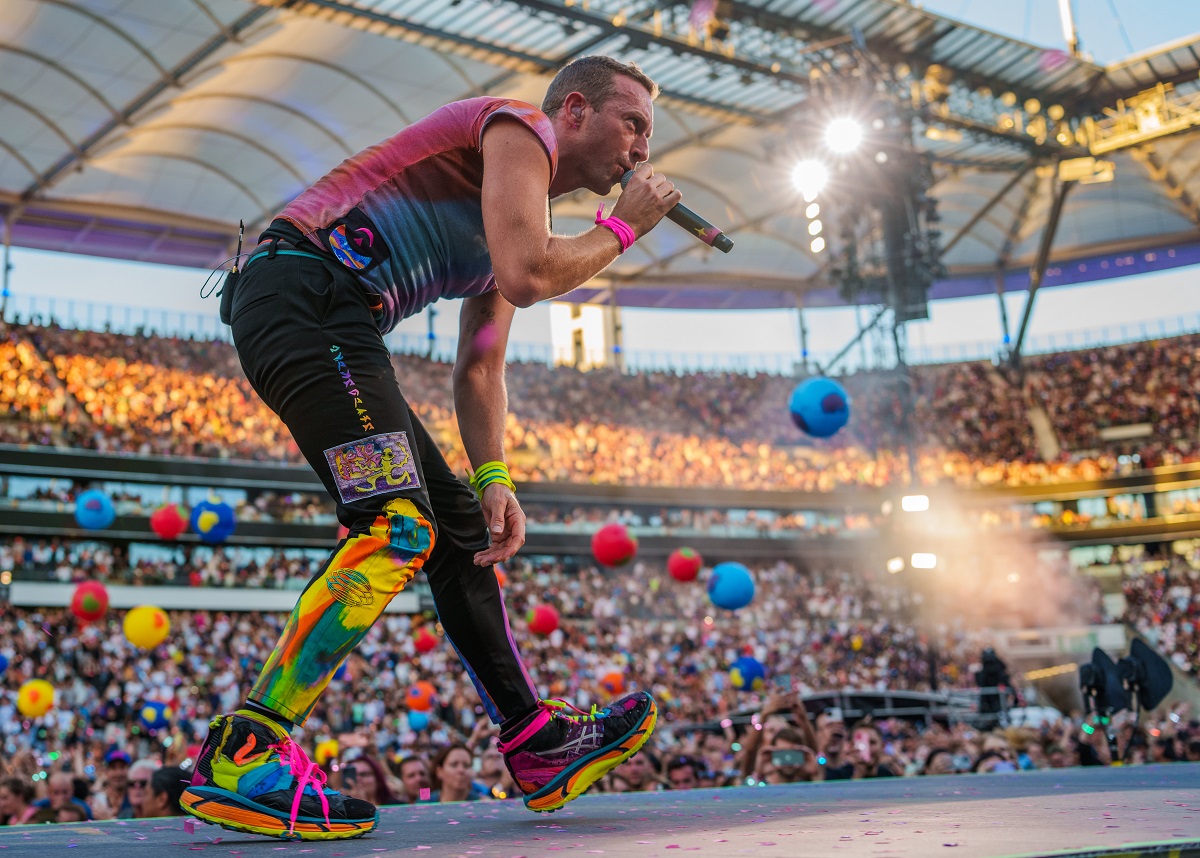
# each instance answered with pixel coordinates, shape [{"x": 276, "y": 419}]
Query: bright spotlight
[
  {"x": 812, "y": 211},
  {"x": 810, "y": 176},
  {"x": 818, "y": 244},
  {"x": 923, "y": 560},
  {"x": 914, "y": 503},
  {"x": 843, "y": 135},
  {"x": 815, "y": 227},
  {"x": 896, "y": 564}
]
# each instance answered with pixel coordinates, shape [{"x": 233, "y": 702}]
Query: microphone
[{"x": 693, "y": 223}]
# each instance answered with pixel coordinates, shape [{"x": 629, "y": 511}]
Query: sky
[{"x": 1109, "y": 30}]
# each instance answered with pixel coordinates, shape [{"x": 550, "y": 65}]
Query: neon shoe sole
[
  {"x": 229, "y": 810},
  {"x": 573, "y": 781}
]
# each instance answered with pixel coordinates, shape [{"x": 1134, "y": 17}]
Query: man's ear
[{"x": 574, "y": 103}]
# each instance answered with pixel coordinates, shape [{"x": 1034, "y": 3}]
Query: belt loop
[{"x": 274, "y": 247}]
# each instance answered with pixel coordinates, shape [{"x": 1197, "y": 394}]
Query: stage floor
[{"x": 1148, "y": 810}]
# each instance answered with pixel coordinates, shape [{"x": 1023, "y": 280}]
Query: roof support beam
[
  {"x": 1039, "y": 267},
  {"x": 126, "y": 114},
  {"x": 988, "y": 206},
  {"x": 526, "y": 61},
  {"x": 1161, "y": 173}
]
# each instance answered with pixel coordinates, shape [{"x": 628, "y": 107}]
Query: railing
[{"x": 175, "y": 323}]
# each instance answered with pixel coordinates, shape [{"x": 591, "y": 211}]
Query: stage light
[
  {"x": 812, "y": 211},
  {"x": 843, "y": 135},
  {"x": 809, "y": 177},
  {"x": 896, "y": 564},
  {"x": 818, "y": 244},
  {"x": 815, "y": 227},
  {"x": 914, "y": 503},
  {"x": 923, "y": 560}
]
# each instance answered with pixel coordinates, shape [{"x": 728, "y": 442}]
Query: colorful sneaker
[
  {"x": 252, "y": 777},
  {"x": 561, "y": 751}
]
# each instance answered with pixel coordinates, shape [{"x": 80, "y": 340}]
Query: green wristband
[{"x": 488, "y": 473}]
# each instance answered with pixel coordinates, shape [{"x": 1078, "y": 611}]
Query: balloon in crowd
[
  {"x": 94, "y": 510},
  {"x": 684, "y": 564},
  {"x": 420, "y": 696},
  {"x": 418, "y": 721},
  {"x": 146, "y": 626},
  {"x": 542, "y": 620},
  {"x": 156, "y": 715},
  {"x": 3, "y": 663},
  {"x": 35, "y": 698},
  {"x": 501, "y": 576},
  {"x": 213, "y": 520},
  {"x": 89, "y": 603},
  {"x": 425, "y": 640},
  {"x": 613, "y": 545},
  {"x": 613, "y": 682},
  {"x": 325, "y": 751},
  {"x": 820, "y": 406},
  {"x": 748, "y": 674},
  {"x": 168, "y": 522},
  {"x": 731, "y": 586}
]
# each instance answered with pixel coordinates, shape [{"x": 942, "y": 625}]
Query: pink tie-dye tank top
[{"x": 405, "y": 215}]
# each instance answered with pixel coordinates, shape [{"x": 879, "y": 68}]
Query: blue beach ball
[
  {"x": 94, "y": 510},
  {"x": 731, "y": 586},
  {"x": 156, "y": 715},
  {"x": 213, "y": 521},
  {"x": 748, "y": 674},
  {"x": 418, "y": 721},
  {"x": 820, "y": 406}
]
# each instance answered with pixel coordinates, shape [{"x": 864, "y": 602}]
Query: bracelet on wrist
[
  {"x": 623, "y": 231},
  {"x": 488, "y": 473}
]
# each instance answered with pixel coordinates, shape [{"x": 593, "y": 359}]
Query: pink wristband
[{"x": 623, "y": 231}]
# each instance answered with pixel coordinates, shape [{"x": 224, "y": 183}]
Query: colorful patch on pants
[
  {"x": 373, "y": 466},
  {"x": 355, "y": 241}
]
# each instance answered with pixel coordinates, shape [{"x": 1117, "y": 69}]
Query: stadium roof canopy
[{"x": 144, "y": 129}]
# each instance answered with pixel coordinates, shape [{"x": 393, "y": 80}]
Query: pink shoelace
[
  {"x": 547, "y": 709},
  {"x": 302, "y": 769}
]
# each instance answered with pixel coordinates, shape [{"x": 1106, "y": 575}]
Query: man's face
[
  {"x": 117, "y": 775},
  {"x": 617, "y": 136},
  {"x": 59, "y": 791},
  {"x": 683, "y": 777},
  {"x": 867, "y": 746},
  {"x": 414, "y": 774},
  {"x": 635, "y": 770}
]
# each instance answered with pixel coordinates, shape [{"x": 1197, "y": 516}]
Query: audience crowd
[
  {"x": 814, "y": 630},
  {"x": 92, "y": 757},
  {"x": 970, "y": 422}
]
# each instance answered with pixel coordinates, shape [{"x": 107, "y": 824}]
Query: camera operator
[
  {"x": 777, "y": 713},
  {"x": 786, "y": 760}
]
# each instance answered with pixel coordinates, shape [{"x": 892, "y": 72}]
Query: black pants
[{"x": 311, "y": 348}]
